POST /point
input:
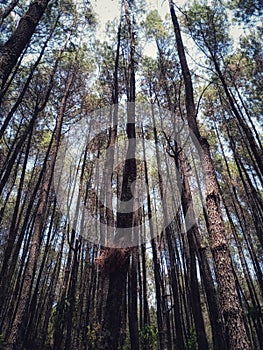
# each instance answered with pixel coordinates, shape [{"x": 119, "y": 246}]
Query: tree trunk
[
  {"x": 6, "y": 11},
  {"x": 133, "y": 309},
  {"x": 17, "y": 330},
  {"x": 232, "y": 311},
  {"x": 13, "y": 48},
  {"x": 118, "y": 258}
]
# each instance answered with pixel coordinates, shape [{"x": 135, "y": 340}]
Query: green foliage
[
  {"x": 127, "y": 343},
  {"x": 93, "y": 334},
  {"x": 245, "y": 68},
  {"x": 2, "y": 342},
  {"x": 92, "y": 63},
  {"x": 209, "y": 27},
  {"x": 191, "y": 341},
  {"x": 149, "y": 335},
  {"x": 246, "y": 10},
  {"x": 154, "y": 25}
]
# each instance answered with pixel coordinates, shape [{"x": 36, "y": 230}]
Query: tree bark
[
  {"x": 17, "y": 331},
  {"x": 15, "y": 45},
  {"x": 232, "y": 311}
]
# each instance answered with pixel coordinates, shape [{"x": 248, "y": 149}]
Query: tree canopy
[{"x": 131, "y": 209}]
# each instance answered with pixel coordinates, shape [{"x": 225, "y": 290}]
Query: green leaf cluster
[{"x": 208, "y": 25}]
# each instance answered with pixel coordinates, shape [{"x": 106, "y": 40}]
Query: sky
[{"x": 107, "y": 10}]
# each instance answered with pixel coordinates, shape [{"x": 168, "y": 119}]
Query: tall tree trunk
[
  {"x": 4, "y": 274},
  {"x": 118, "y": 258},
  {"x": 256, "y": 151},
  {"x": 195, "y": 243},
  {"x": 232, "y": 311},
  {"x": 27, "y": 82},
  {"x": 15, "y": 45},
  {"x": 17, "y": 331},
  {"x": 133, "y": 310},
  {"x": 4, "y": 13}
]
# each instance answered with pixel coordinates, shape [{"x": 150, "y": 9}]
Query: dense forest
[{"x": 131, "y": 207}]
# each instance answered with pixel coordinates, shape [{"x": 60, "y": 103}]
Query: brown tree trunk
[
  {"x": 27, "y": 83},
  {"x": 256, "y": 151},
  {"x": 133, "y": 309},
  {"x": 6, "y": 11},
  {"x": 17, "y": 331},
  {"x": 118, "y": 258},
  {"x": 195, "y": 245},
  {"x": 4, "y": 274},
  {"x": 232, "y": 311},
  {"x": 13, "y": 48}
]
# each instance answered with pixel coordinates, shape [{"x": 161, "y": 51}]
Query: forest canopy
[{"x": 131, "y": 182}]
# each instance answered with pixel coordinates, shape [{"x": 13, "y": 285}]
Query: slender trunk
[
  {"x": 6, "y": 11},
  {"x": 72, "y": 297},
  {"x": 17, "y": 330},
  {"x": 168, "y": 235},
  {"x": 120, "y": 256},
  {"x": 4, "y": 275},
  {"x": 232, "y": 311},
  {"x": 257, "y": 153},
  {"x": 195, "y": 244},
  {"x": 27, "y": 83},
  {"x": 133, "y": 309},
  {"x": 146, "y": 315},
  {"x": 35, "y": 308},
  {"x": 156, "y": 262},
  {"x": 13, "y": 48}
]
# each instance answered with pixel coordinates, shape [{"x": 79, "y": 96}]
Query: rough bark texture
[
  {"x": 118, "y": 264},
  {"x": 235, "y": 328},
  {"x": 118, "y": 258},
  {"x": 13, "y": 48},
  {"x": 17, "y": 330}
]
